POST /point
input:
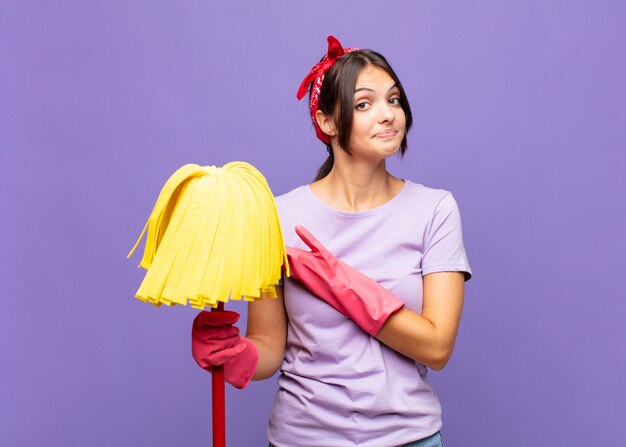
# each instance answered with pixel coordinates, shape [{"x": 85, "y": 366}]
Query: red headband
[{"x": 316, "y": 76}]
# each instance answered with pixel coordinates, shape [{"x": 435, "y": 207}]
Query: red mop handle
[{"x": 219, "y": 399}]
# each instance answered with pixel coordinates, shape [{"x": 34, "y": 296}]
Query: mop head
[{"x": 213, "y": 235}]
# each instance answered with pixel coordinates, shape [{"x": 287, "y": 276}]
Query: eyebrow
[{"x": 371, "y": 90}]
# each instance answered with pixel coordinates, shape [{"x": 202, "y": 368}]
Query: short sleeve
[{"x": 443, "y": 241}]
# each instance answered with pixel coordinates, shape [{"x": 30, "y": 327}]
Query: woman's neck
[{"x": 357, "y": 186}]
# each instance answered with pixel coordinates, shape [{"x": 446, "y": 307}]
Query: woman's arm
[
  {"x": 429, "y": 337},
  {"x": 267, "y": 329}
]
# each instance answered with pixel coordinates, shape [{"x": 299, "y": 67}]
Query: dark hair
[{"x": 337, "y": 98}]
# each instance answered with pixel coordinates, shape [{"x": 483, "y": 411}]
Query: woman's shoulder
[
  {"x": 426, "y": 194},
  {"x": 294, "y": 195}
]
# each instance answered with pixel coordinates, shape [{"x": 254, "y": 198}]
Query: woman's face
[{"x": 378, "y": 123}]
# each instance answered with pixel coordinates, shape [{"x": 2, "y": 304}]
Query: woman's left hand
[{"x": 349, "y": 291}]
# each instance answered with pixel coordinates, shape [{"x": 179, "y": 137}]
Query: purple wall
[{"x": 520, "y": 110}]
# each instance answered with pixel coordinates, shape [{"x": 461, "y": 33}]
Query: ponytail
[{"x": 327, "y": 166}]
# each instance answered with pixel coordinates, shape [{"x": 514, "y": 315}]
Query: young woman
[{"x": 377, "y": 276}]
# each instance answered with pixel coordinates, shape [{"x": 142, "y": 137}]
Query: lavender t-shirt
[{"x": 338, "y": 385}]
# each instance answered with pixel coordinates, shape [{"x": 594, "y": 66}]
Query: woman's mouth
[{"x": 386, "y": 134}]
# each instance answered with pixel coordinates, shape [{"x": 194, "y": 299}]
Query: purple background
[{"x": 520, "y": 110}]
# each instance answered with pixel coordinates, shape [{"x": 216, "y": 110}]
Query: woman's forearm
[
  {"x": 413, "y": 335},
  {"x": 429, "y": 337},
  {"x": 267, "y": 329},
  {"x": 270, "y": 358}
]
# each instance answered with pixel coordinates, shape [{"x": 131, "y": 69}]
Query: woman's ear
[{"x": 326, "y": 123}]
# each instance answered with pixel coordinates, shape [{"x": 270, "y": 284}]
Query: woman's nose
[{"x": 386, "y": 113}]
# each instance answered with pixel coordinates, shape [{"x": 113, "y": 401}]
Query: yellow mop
[{"x": 213, "y": 235}]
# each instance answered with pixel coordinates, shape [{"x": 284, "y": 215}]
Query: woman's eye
[
  {"x": 361, "y": 106},
  {"x": 394, "y": 100}
]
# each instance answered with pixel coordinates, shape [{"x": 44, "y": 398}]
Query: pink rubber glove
[
  {"x": 215, "y": 341},
  {"x": 349, "y": 291}
]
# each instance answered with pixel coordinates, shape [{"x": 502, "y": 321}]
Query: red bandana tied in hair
[{"x": 316, "y": 76}]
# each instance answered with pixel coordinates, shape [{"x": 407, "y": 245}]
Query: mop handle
[{"x": 219, "y": 399}]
